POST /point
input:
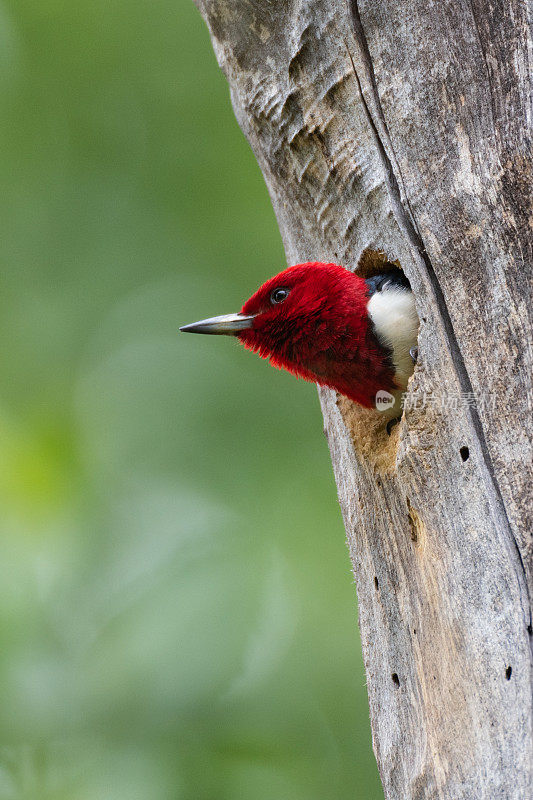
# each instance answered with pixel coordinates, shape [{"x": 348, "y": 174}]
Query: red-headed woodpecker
[{"x": 330, "y": 326}]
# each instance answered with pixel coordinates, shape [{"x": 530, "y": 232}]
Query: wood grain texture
[{"x": 403, "y": 127}]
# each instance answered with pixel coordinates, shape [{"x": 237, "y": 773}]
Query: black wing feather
[{"x": 394, "y": 279}]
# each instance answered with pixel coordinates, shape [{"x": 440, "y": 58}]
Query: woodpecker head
[{"x": 312, "y": 319}]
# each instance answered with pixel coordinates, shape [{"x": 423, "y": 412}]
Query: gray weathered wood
[{"x": 403, "y": 127}]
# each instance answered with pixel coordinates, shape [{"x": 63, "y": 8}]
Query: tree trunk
[{"x": 401, "y": 127}]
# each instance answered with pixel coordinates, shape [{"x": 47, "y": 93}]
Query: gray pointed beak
[{"x": 226, "y": 325}]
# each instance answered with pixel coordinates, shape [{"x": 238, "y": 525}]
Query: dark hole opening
[
  {"x": 376, "y": 583},
  {"x": 395, "y": 678},
  {"x": 465, "y": 452},
  {"x": 375, "y": 264},
  {"x": 508, "y": 673}
]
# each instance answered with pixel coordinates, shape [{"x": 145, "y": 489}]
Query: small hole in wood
[
  {"x": 412, "y": 525},
  {"x": 376, "y": 583},
  {"x": 530, "y": 629},
  {"x": 465, "y": 452},
  {"x": 508, "y": 673},
  {"x": 395, "y": 678}
]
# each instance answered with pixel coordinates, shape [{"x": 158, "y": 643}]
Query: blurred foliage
[{"x": 177, "y": 612}]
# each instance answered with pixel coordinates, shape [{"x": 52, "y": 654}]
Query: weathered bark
[{"x": 402, "y": 127}]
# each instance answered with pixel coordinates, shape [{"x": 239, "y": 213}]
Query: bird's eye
[{"x": 278, "y": 296}]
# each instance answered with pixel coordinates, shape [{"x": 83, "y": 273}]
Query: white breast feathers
[{"x": 395, "y": 319}]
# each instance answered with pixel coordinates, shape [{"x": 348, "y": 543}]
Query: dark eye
[{"x": 278, "y": 296}]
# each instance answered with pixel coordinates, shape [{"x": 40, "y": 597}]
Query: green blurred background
[{"x": 177, "y": 612}]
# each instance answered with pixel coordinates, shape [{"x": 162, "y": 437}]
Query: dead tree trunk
[{"x": 402, "y": 127}]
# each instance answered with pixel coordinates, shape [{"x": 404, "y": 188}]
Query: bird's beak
[{"x": 226, "y": 325}]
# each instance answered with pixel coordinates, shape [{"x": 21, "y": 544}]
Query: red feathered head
[{"x": 312, "y": 320}]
